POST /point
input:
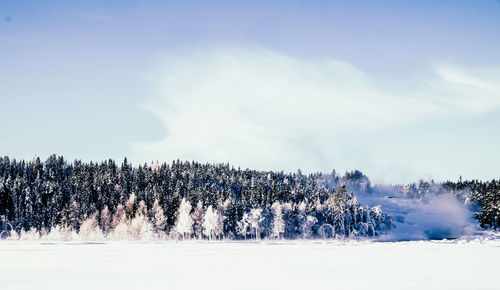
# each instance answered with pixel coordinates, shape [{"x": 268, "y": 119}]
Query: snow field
[{"x": 250, "y": 265}]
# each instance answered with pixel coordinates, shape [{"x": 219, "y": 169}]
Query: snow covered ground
[{"x": 458, "y": 264}]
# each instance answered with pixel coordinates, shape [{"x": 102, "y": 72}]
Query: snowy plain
[{"x": 313, "y": 264}]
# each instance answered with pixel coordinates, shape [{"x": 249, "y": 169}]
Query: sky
[{"x": 400, "y": 90}]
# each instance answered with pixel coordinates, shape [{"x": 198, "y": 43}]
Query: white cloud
[
  {"x": 478, "y": 93},
  {"x": 260, "y": 109}
]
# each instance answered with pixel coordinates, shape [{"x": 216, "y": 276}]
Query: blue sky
[{"x": 398, "y": 89}]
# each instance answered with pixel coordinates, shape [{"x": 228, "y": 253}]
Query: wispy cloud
[{"x": 261, "y": 109}]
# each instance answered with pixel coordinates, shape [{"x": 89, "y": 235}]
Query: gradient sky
[{"x": 401, "y": 90}]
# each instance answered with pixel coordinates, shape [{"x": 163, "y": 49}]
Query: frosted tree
[
  {"x": 61, "y": 233},
  {"x": 184, "y": 225},
  {"x": 278, "y": 229},
  {"x": 89, "y": 229},
  {"x": 219, "y": 229},
  {"x": 307, "y": 226},
  {"x": 119, "y": 224},
  {"x": 376, "y": 214},
  {"x": 198, "y": 218},
  {"x": 70, "y": 214},
  {"x": 255, "y": 218},
  {"x": 212, "y": 223},
  {"x": 118, "y": 217},
  {"x": 326, "y": 231},
  {"x": 31, "y": 235},
  {"x": 140, "y": 228},
  {"x": 106, "y": 221},
  {"x": 13, "y": 236},
  {"x": 129, "y": 206},
  {"x": 339, "y": 208},
  {"x": 159, "y": 219},
  {"x": 353, "y": 206},
  {"x": 243, "y": 225}
]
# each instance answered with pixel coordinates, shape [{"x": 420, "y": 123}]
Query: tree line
[{"x": 181, "y": 200}]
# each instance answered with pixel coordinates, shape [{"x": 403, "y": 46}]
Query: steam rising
[{"x": 435, "y": 216}]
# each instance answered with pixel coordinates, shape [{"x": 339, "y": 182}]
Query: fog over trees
[{"x": 55, "y": 199}]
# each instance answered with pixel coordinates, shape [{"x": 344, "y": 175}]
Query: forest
[{"x": 190, "y": 200}]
